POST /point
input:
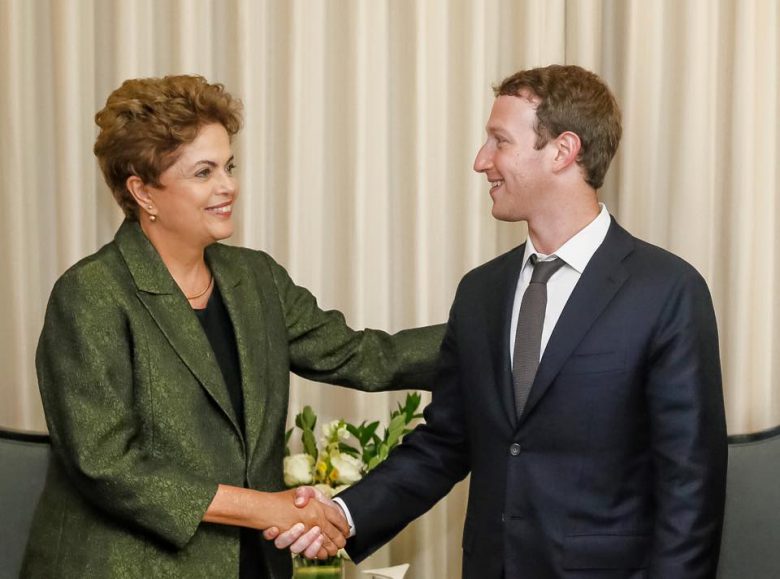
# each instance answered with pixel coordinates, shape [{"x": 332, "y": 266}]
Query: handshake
[{"x": 315, "y": 529}]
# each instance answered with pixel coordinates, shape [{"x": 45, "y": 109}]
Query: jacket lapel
[
  {"x": 245, "y": 308},
  {"x": 601, "y": 280},
  {"x": 499, "y": 328},
  {"x": 170, "y": 310}
]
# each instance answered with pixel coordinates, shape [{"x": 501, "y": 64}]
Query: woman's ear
[{"x": 140, "y": 192}]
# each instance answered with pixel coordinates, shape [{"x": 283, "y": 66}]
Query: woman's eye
[
  {"x": 230, "y": 168},
  {"x": 203, "y": 173}
]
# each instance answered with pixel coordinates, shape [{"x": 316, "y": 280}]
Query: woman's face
[{"x": 194, "y": 203}]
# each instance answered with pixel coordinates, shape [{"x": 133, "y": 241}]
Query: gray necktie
[{"x": 528, "y": 339}]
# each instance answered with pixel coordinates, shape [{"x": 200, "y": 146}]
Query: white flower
[
  {"x": 334, "y": 431},
  {"x": 348, "y": 468},
  {"x": 298, "y": 470}
]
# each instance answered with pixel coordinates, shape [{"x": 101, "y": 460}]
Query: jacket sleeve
[
  {"x": 688, "y": 435},
  {"x": 322, "y": 347},
  {"x": 85, "y": 366},
  {"x": 419, "y": 472}
]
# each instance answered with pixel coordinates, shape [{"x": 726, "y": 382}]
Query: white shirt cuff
[{"x": 347, "y": 514}]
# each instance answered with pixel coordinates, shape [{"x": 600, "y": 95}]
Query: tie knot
[{"x": 543, "y": 270}]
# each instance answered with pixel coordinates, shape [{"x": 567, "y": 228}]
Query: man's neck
[{"x": 549, "y": 232}]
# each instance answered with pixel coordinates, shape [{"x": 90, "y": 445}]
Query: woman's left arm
[{"x": 325, "y": 349}]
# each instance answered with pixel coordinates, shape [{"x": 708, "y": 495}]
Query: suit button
[{"x": 515, "y": 449}]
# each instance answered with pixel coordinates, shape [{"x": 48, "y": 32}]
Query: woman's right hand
[
  {"x": 263, "y": 510},
  {"x": 296, "y": 538},
  {"x": 304, "y": 520}
]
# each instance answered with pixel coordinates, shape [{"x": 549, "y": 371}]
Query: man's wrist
[{"x": 347, "y": 515}]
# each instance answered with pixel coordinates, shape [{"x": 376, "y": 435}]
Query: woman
[{"x": 164, "y": 363}]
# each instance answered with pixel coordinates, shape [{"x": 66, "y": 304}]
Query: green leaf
[
  {"x": 368, "y": 432},
  {"x": 287, "y": 436},
  {"x": 347, "y": 449},
  {"x": 395, "y": 430},
  {"x": 412, "y": 404},
  {"x": 309, "y": 444},
  {"x": 309, "y": 418},
  {"x": 354, "y": 430}
]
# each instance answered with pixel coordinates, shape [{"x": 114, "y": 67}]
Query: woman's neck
[{"x": 186, "y": 263}]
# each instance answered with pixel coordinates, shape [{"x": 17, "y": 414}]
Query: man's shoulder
[
  {"x": 496, "y": 271},
  {"x": 657, "y": 261},
  {"x": 655, "y": 272}
]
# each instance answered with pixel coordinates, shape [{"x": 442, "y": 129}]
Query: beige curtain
[{"x": 362, "y": 120}]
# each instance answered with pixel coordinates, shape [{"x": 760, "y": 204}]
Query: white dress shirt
[{"x": 576, "y": 252}]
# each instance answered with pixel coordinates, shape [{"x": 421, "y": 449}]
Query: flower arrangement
[{"x": 346, "y": 452}]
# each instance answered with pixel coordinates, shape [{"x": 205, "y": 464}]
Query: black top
[{"x": 219, "y": 330}]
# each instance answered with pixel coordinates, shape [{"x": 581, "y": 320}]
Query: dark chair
[
  {"x": 24, "y": 460},
  {"x": 751, "y": 530}
]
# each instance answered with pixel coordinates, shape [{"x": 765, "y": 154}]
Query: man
[{"x": 579, "y": 379}]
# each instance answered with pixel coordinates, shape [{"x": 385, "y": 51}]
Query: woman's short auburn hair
[{"x": 146, "y": 121}]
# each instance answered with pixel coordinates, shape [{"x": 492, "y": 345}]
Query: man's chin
[{"x": 501, "y": 214}]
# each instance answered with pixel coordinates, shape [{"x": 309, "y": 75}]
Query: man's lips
[{"x": 495, "y": 184}]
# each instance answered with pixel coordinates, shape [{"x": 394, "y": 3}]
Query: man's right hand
[
  {"x": 294, "y": 537},
  {"x": 325, "y": 526}
]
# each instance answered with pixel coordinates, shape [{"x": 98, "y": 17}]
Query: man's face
[{"x": 517, "y": 171}]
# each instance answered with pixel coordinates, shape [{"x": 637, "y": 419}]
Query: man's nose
[{"x": 483, "y": 161}]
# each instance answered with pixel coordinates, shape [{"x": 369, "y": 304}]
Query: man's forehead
[
  {"x": 505, "y": 108},
  {"x": 525, "y": 94}
]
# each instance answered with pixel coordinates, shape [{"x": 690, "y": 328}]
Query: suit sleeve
[
  {"x": 420, "y": 471},
  {"x": 85, "y": 372},
  {"x": 688, "y": 435},
  {"x": 322, "y": 347}
]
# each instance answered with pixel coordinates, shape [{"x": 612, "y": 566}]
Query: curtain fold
[{"x": 362, "y": 120}]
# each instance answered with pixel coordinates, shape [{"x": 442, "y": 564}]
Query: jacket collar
[
  {"x": 170, "y": 310},
  {"x": 150, "y": 273},
  {"x": 601, "y": 280}
]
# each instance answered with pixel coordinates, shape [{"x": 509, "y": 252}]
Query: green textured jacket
[{"x": 141, "y": 423}]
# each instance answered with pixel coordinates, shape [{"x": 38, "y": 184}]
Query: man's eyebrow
[{"x": 495, "y": 130}]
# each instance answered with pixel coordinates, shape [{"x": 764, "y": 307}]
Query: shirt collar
[{"x": 578, "y": 250}]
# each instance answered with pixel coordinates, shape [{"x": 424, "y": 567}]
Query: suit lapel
[
  {"x": 172, "y": 313},
  {"x": 499, "y": 316},
  {"x": 601, "y": 280},
  {"x": 245, "y": 308}
]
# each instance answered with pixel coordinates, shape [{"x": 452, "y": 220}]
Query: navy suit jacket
[{"x": 618, "y": 466}]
